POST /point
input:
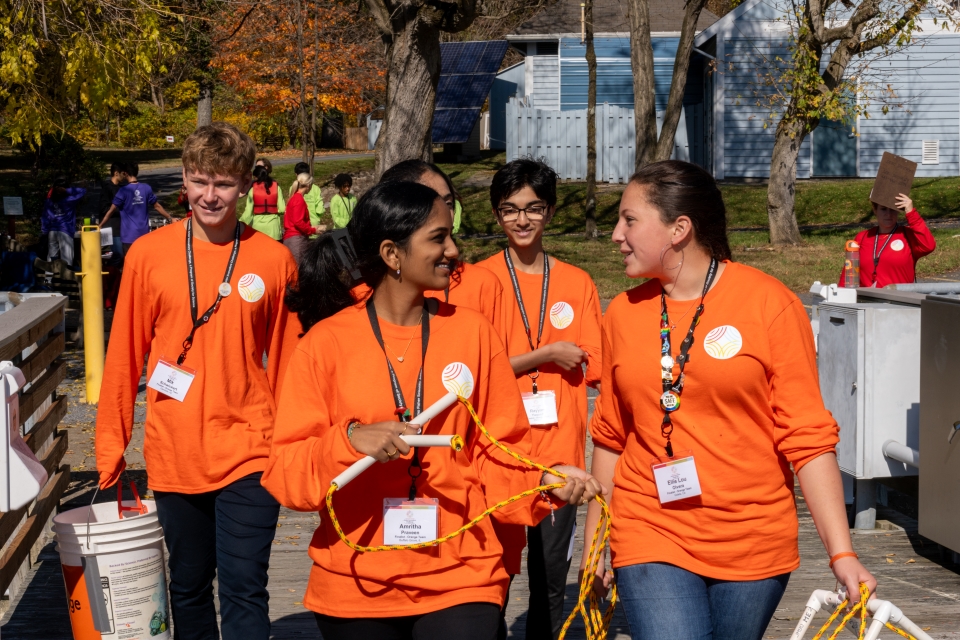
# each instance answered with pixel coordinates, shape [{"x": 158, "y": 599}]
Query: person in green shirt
[
  {"x": 265, "y": 204},
  {"x": 313, "y": 197},
  {"x": 343, "y": 202}
]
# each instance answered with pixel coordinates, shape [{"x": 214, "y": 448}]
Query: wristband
[
  {"x": 844, "y": 554},
  {"x": 353, "y": 425}
]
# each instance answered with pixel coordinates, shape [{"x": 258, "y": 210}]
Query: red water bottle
[{"x": 851, "y": 265}]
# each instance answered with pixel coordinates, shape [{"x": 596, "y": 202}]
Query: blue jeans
[
  {"x": 664, "y": 602},
  {"x": 228, "y": 532}
]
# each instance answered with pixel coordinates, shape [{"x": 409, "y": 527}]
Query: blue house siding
[
  {"x": 614, "y": 74},
  {"x": 509, "y": 83},
  {"x": 748, "y": 127},
  {"x": 926, "y": 79}
]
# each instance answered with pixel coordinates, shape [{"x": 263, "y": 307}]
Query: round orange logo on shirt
[
  {"x": 561, "y": 315},
  {"x": 457, "y": 379},
  {"x": 897, "y": 245},
  {"x": 251, "y": 287},
  {"x": 723, "y": 342}
]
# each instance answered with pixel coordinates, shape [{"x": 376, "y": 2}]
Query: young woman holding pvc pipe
[
  {"x": 346, "y": 407},
  {"x": 743, "y": 407}
]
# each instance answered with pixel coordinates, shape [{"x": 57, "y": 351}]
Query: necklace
[
  {"x": 400, "y": 357},
  {"x": 673, "y": 325}
]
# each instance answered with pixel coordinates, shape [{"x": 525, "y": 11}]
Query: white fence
[{"x": 560, "y": 138}]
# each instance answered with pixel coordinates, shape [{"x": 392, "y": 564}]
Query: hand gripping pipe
[
  {"x": 883, "y": 612},
  {"x": 429, "y": 413}
]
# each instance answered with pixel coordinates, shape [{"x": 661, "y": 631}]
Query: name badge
[
  {"x": 541, "y": 408},
  {"x": 410, "y": 521},
  {"x": 171, "y": 379},
  {"x": 676, "y": 478}
]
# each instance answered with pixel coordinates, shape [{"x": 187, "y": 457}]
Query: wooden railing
[{"x": 31, "y": 336}]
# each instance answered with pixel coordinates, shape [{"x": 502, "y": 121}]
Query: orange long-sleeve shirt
[
  {"x": 573, "y": 315},
  {"x": 221, "y": 431},
  {"x": 342, "y": 377},
  {"x": 478, "y": 289},
  {"x": 750, "y": 409}
]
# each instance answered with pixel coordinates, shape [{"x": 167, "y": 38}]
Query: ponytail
[{"x": 388, "y": 211}]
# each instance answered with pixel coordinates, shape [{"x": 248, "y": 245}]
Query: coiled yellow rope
[
  {"x": 861, "y": 609},
  {"x": 596, "y": 620}
]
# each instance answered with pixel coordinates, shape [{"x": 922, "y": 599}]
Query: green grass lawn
[{"x": 822, "y": 205}]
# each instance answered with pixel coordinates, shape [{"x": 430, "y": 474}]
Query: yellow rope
[
  {"x": 596, "y": 621},
  {"x": 859, "y": 608}
]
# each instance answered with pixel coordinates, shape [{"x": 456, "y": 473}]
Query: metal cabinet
[
  {"x": 940, "y": 400},
  {"x": 869, "y": 365}
]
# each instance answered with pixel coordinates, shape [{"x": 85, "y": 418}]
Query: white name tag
[
  {"x": 407, "y": 522},
  {"x": 676, "y": 478},
  {"x": 541, "y": 408},
  {"x": 172, "y": 380}
]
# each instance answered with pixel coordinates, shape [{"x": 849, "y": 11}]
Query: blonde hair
[
  {"x": 302, "y": 180},
  {"x": 219, "y": 149}
]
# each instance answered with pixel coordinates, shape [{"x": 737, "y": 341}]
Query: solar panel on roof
[{"x": 467, "y": 72}]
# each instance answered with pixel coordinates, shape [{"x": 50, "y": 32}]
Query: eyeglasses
[{"x": 534, "y": 212}]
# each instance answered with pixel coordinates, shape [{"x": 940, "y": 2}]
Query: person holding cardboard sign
[{"x": 889, "y": 251}]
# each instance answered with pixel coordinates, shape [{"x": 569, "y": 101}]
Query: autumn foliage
[{"x": 279, "y": 55}]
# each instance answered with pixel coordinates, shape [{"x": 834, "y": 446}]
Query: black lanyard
[
  {"x": 533, "y": 373},
  {"x": 403, "y": 413},
  {"x": 192, "y": 280},
  {"x": 670, "y": 399},
  {"x": 876, "y": 256}
]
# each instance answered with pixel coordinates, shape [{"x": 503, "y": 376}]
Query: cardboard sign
[
  {"x": 13, "y": 206},
  {"x": 894, "y": 177}
]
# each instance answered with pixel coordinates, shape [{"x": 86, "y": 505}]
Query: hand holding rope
[{"x": 589, "y": 607}]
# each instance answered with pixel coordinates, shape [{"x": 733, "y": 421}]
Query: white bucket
[{"x": 121, "y": 565}]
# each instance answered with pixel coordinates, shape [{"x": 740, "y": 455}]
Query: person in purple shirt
[
  {"x": 59, "y": 219},
  {"x": 133, "y": 201}
]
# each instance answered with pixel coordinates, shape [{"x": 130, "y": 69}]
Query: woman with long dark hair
[
  {"x": 710, "y": 405},
  {"x": 362, "y": 369},
  {"x": 470, "y": 286}
]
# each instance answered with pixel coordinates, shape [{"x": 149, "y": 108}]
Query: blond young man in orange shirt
[{"x": 202, "y": 302}]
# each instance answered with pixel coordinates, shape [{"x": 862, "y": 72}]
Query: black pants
[
  {"x": 471, "y": 621},
  {"x": 229, "y": 533},
  {"x": 548, "y": 546}
]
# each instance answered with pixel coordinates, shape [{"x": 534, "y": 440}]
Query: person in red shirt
[
  {"x": 296, "y": 220},
  {"x": 890, "y": 250},
  {"x": 471, "y": 286},
  {"x": 201, "y": 303},
  {"x": 553, "y": 338},
  {"x": 359, "y": 367}
]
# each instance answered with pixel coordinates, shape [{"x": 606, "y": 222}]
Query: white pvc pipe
[
  {"x": 430, "y": 412},
  {"x": 901, "y": 453},
  {"x": 882, "y": 612}
]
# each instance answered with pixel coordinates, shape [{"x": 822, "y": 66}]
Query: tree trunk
[
  {"x": 591, "y": 203},
  {"x": 413, "y": 72},
  {"x": 205, "y": 103},
  {"x": 644, "y": 96},
  {"x": 781, "y": 191},
  {"x": 678, "y": 85}
]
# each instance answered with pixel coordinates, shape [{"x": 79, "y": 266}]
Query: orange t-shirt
[
  {"x": 750, "y": 408},
  {"x": 343, "y": 377},
  {"x": 221, "y": 431},
  {"x": 478, "y": 289},
  {"x": 573, "y": 315}
]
